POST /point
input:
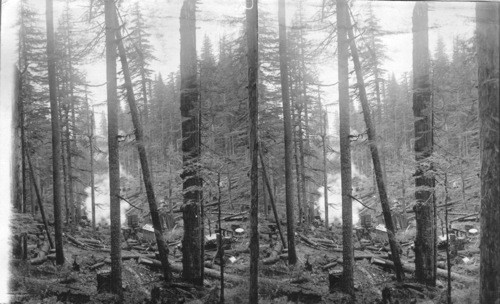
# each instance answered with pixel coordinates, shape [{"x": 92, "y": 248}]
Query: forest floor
[{"x": 315, "y": 278}]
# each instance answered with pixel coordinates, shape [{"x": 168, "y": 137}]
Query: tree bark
[
  {"x": 487, "y": 18},
  {"x": 56, "y": 140},
  {"x": 91, "y": 153},
  {"x": 40, "y": 201},
  {"x": 325, "y": 175},
  {"x": 114, "y": 164},
  {"x": 192, "y": 260},
  {"x": 253, "y": 70},
  {"x": 345, "y": 147},
  {"x": 290, "y": 219},
  {"x": 372, "y": 138},
  {"x": 271, "y": 198},
  {"x": 141, "y": 149},
  {"x": 425, "y": 262}
]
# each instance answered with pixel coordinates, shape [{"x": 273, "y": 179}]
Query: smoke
[
  {"x": 102, "y": 210},
  {"x": 335, "y": 199}
]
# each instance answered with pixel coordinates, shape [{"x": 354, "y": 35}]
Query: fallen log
[
  {"x": 275, "y": 254},
  {"x": 226, "y": 218},
  {"x": 308, "y": 241},
  {"x": 329, "y": 265},
  {"x": 464, "y": 218},
  {"x": 90, "y": 241},
  {"x": 97, "y": 265},
  {"x": 74, "y": 240},
  {"x": 439, "y": 272}
]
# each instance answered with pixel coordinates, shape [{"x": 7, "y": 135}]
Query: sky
[{"x": 446, "y": 20}]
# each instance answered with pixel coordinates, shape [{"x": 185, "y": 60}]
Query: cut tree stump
[{"x": 104, "y": 281}]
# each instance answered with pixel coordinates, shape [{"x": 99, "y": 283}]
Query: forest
[{"x": 278, "y": 151}]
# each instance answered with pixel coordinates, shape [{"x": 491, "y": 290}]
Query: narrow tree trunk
[
  {"x": 141, "y": 149},
  {"x": 40, "y": 202},
  {"x": 297, "y": 167},
  {"x": 345, "y": 147},
  {"x": 290, "y": 219},
  {"x": 448, "y": 262},
  {"x": 325, "y": 175},
  {"x": 23, "y": 156},
  {"x": 253, "y": 71},
  {"x": 69, "y": 170},
  {"x": 372, "y": 138},
  {"x": 192, "y": 260},
  {"x": 114, "y": 161},
  {"x": 91, "y": 153},
  {"x": 487, "y": 18},
  {"x": 271, "y": 198},
  {"x": 56, "y": 140},
  {"x": 425, "y": 263}
]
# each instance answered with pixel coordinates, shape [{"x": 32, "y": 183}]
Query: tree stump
[
  {"x": 335, "y": 280},
  {"x": 103, "y": 281}
]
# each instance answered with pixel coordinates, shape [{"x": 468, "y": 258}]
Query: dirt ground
[{"x": 306, "y": 282}]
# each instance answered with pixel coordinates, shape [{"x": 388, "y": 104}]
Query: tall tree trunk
[
  {"x": 69, "y": 170},
  {"x": 425, "y": 263},
  {"x": 92, "y": 181},
  {"x": 302, "y": 166},
  {"x": 290, "y": 219},
  {"x": 192, "y": 261},
  {"x": 56, "y": 140},
  {"x": 372, "y": 138},
  {"x": 23, "y": 155},
  {"x": 325, "y": 175},
  {"x": 296, "y": 161},
  {"x": 114, "y": 160},
  {"x": 487, "y": 22},
  {"x": 345, "y": 147},
  {"x": 141, "y": 149},
  {"x": 253, "y": 71}
]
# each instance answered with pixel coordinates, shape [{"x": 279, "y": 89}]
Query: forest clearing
[{"x": 311, "y": 151}]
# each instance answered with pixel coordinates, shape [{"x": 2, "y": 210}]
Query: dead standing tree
[
  {"x": 113, "y": 155},
  {"x": 345, "y": 147},
  {"x": 487, "y": 18},
  {"x": 192, "y": 261},
  {"x": 141, "y": 149},
  {"x": 56, "y": 139},
  {"x": 372, "y": 138},
  {"x": 287, "y": 120},
  {"x": 425, "y": 241},
  {"x": 253, "y": 69}
]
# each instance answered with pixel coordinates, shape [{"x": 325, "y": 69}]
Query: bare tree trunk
[
  {"x": 40, "y": 202},
  {"x": 271, "y": 197},
  {"x": 253, "y": 71},
  {"x": 56, "y": 140},
  {"x": 290, "y": 219},
  {"x": 372, "y": 138},
  {"x": 487, "y": 18},
  {"x": 91, "y": 153},
  {"x": 114, "y": 161},
  {"x": 345, "y": 147},
  {"x": 141, "y": 149},
  {"x": 425, "y": 263},
  {"x": 297, "y": 167},
  {"x": 192, "y": 260},
  {"x": 325, "y": 175}
]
